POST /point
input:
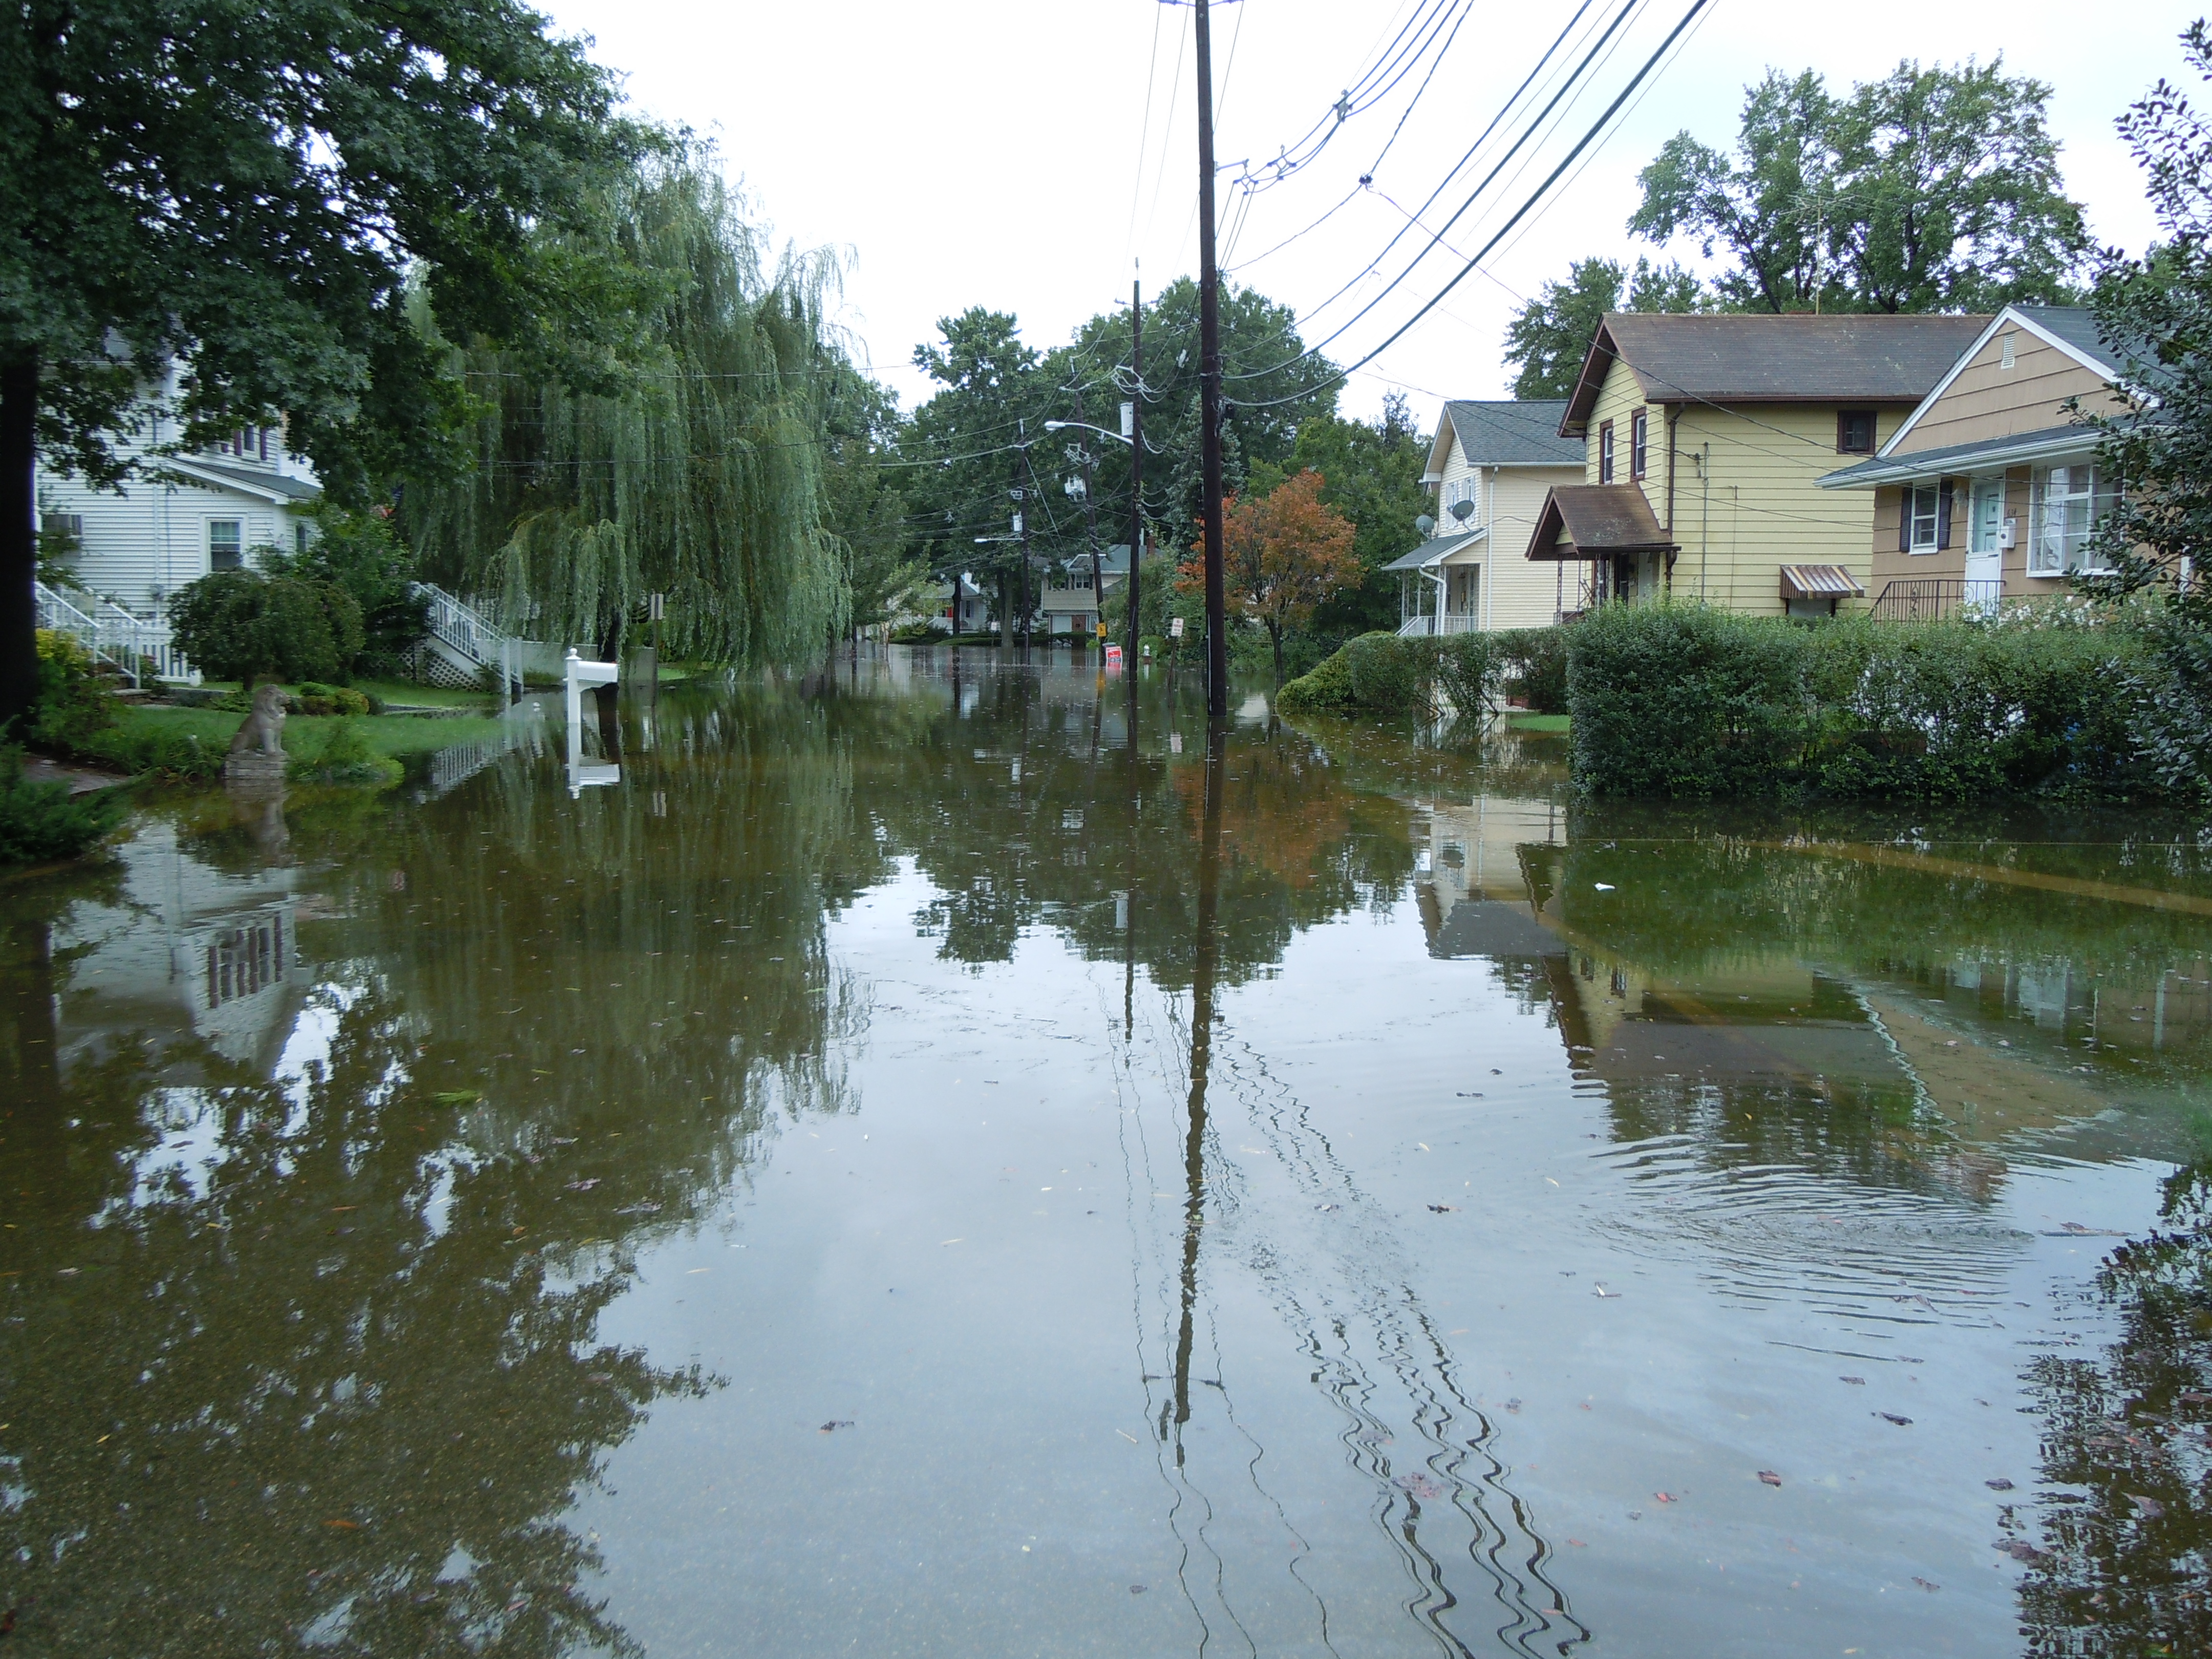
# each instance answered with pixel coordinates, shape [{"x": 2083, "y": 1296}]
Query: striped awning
[{"x": 1819, "y": 581}]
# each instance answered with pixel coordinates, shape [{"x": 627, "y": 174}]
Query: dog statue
[{"x": 256, "y": 751}]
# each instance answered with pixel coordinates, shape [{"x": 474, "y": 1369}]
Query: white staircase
[
  {"x": 462, "y": 645},
  {"x": 138, "y": 649}
]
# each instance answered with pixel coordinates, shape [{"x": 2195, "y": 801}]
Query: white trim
[
  {"x": 1948, "y": 463},
  {"x": 182, "y": 467},
  {"x": 2018, "y": 319}
]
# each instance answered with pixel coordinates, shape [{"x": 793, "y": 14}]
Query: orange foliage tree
[{"x": 1283, "y": 553}]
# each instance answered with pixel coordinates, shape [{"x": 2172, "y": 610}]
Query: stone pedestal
[{"x": 253, "y": 766}]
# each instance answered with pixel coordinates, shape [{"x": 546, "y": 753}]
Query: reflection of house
[
  {"x": 190, "y": 948},
  {"x": 1490, "y": 466},
  {"x": 207, "y": 512},
  {"x": 1705, "y": 440},
  {"x": 1988, "y": 489}
]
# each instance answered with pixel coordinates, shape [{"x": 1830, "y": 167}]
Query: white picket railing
[
  {"x": 465, "y": 631},
  {"x": 1424, "y": 626},
  {"x": 109, "y": 633}
]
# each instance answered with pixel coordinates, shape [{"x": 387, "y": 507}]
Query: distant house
[
  {"x": 1067, "y": 604},
  {"x": 205, "y": 511},
  {"x": 1490, "y": 466},
  {"x": 1706, "y": 442},
  {"x": 1988, "y": 488}
]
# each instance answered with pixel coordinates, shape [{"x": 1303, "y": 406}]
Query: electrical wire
[{"x": 1587, "y": 138}]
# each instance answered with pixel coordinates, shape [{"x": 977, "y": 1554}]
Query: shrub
[
  {"x": 73, "y": 706},
  {"x": 311, "y": 698},
  {"x": 1535, "y": 666},
  {"x": 41, "y": 822},
  {"x": 242, "y": 625},
  {"x": 157, "y": 751},
  {"x": 1686, "y": 701},
  {"x": 361, "y": 553},
  {"x": 346, "y": 758},
  {"x": 1375, "y": 673}
]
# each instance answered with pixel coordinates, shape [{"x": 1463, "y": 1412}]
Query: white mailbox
[{"x": 576, "y": 675}]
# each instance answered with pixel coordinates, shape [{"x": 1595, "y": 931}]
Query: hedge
[
  {"x": 1383, "y": 674},
  {"x": 41, "y": 822},
  {"x": 1683, "y": 700}
]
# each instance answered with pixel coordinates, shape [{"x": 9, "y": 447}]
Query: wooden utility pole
[
  {"x": 1209, "y": 370},
  {"x": 1136, "y": 469}
]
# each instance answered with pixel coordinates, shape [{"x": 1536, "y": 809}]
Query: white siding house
[
  {"x": 208, "y": 511},
  {"x": 1491, "y": 466}
]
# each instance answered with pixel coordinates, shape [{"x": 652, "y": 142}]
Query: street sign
[
  {"x": 1174, "y": 627},
  {"x": 658, "y": 600}
]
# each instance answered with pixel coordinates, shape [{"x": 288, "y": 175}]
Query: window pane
[{"x": 224, "y": 542}]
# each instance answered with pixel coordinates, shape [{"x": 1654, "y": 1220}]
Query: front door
[{"x": 1984, "y": 556}]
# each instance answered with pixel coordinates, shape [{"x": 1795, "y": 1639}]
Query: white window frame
[
  {"x": 1914, "y": 496},
  {"x": 2067, "y": 501},
  {"x": 235, "y": 545},
  {"x": 1469, "y": 489}
]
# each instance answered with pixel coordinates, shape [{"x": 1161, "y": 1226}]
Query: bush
[
  {"x": 361, "y": 553},
  {"x": 1535, "y": 666},
  {"x": 73, "y": 706},
  {"x": 346, "y": 758},
  {"x": 156, "y": 751},
  {"x": 243, "y": 625},
  {"x": 314, "y": 699},
  {"x": 919, "y": 633},
  {"x": 1377, "y": 673},
  {"x": 1683, "y": 700},
  {"x": 42, "y": 821}
]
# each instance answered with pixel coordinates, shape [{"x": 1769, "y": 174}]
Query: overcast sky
[{"x": 1023, "y": 156}]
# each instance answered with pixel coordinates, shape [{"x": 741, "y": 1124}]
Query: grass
[
  {"x": 1523, "y": 721},
  {"x": 393, "y": 735}
]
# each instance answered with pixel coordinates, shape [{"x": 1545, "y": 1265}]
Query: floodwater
[{"x": 959, "y": 1162}]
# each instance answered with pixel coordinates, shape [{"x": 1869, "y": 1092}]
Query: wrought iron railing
[{"x": 1932, "y": 599}]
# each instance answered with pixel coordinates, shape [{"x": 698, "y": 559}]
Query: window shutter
[
  {"x": 1905, "y": 520},
  {"x": 1943, "y": 513}
]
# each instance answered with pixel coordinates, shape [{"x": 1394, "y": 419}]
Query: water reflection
[{"x": 344, "y": 1128}]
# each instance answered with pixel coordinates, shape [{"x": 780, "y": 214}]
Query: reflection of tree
[{"x": 2127, "y": 1442}]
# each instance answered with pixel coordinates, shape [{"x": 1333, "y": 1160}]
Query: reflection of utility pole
[
  {"x": 1209, "y": 372},
  {"x": 1205, "y": 964}
]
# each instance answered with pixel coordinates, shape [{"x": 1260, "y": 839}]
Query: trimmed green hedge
[
  {"x": 1382, "y": 674},
  {"x": 1683, "y": 700}
]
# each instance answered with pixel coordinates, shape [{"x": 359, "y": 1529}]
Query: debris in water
[
  {"x": 1855, "y": 1382},
  {"x": 2150, "y": 1509},
  {"x": 1422, "y": 1487},
  {"x": 1603, "y": 886},
  {"x": 1901, "y": 1422},
  {"x": 1444, "y": 1209},
  {"x": 1998, "y": 1485},
  {"x": 457, "y": 1096},
  {"x": 837, "y": 1423},
  {"x": 1665, "y": 1497},
  {"x": 1609, "y": 1295},
  {"x": 1769, "y": 1477},
  {"x": 584, "y": 1186},
  {"x": 1138, "y": 1590},
  {"x": 1513, "y": 1405},
  {"x": 2020, "y": 1550},
  {"x": 1924, "y": 1584}
]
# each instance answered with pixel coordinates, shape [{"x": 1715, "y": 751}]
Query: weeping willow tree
[{"x": 697, "y": 472}]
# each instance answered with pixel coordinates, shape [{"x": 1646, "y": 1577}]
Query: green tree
[
  {"x": 246, "y": 194},
  {"x": 2154, "y": 315},
  {"x": 243, "y": 625},
  {"x": 1932, "y": 189},
  {"x": 1551, "y": 335},
  {"x": 360, "y": 552},
  {"x": 1373, "y": 471},
  {"x": 861, "y": 503},
  {"x": 697, "y": 473}
]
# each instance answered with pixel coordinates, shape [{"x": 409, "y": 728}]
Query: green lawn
[
  {"x": 304, "y": 734},
  {"x": 1528, "y": 722}
]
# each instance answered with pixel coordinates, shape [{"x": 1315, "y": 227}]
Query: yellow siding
[
  {"x": 1747, "y": 501},
  {"x": 1989, "y": 400},
  {"x": 1618, "y": 399},
  {"x": 1522, "y": 592}
]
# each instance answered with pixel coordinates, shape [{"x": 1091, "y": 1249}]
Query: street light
[{"x": 1118, "y": 437}]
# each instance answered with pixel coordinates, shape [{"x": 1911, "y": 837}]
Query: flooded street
[{"x": 955, "y": 1162}]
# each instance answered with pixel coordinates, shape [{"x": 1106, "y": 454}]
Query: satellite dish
[
  {"x": 1424, "y": 523},
  {"x": 1463, "y": 508}
]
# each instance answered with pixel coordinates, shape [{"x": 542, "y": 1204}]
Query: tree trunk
[
  {"x": 1275, "y": 638},
  {"x": 19, "y": 546}
]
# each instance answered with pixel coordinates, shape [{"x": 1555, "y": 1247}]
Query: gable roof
[
  {"x": 268, "y": 486},
  {"x": 1595, "y": 521},
  {"x": 1521, "y": 432},
  {"x": 2071, "y": 328},
  {"x": 1788, "y": 359}
]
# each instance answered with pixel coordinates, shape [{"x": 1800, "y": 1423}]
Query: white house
[
  {"x": 208, "y": 511},
  {"x": 1489, "y": 467}
]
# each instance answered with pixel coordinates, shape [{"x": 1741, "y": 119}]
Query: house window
[
  {"x": 64, "y": 534},
  {"x": 299, "y": 539},
  {"x": 1855, "y": 432},
  {"x": 1605, "y": 454},
  {"x": 1639, "y": 443},
  {"x": 1924, "y": 517},
  {"x": 226, "y": 545},
  {"x": 1468, "y": 489},
  {"x": 2067, "y": 503}
]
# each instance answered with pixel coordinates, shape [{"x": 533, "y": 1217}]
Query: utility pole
[
  {"x": 1209, "y": 371},
  {"x": 1090, "y": 515},
  {"x": 1136, "y": 465},
  {"x": 1021, "y": 529}
]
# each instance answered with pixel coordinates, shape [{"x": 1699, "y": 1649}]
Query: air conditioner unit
[{"x": 2008, "y": 537}]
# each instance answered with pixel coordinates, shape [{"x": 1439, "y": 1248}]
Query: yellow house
[
  {"x": 1706, "y": 442},
  {"x": 1489, "y": 467},
  {"x": 1987, "y": 490}
]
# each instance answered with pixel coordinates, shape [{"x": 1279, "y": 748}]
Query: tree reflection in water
[{"x": 2121, "y": 1567}]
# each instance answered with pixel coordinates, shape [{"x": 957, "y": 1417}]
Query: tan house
[
  {"x": 1489, "y": 467},
  {"x": 1706, "y": 440},
  {"x": 1987, "y": 490}
]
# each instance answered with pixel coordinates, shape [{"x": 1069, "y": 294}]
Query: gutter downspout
[
  {"x": 1704, "y": 515},
  {"x": 1489, "y": 565}
]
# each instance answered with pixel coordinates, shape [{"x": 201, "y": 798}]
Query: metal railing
[
  {"x": 137, "y": 647},
  {"x": 1932, "y": 599},
  {"x": 1424, "y": 626}
]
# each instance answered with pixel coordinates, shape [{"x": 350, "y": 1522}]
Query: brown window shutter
[
  {"x": 1942, "y": 513},
  {"x": 1905, "y": 520}
]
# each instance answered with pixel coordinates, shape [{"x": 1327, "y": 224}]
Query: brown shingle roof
[
  {"x": 1772, "y": 360},
  {"x": 1594, "y": 520}
]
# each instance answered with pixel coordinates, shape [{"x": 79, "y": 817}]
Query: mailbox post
[{"x": 576, "y": 675}]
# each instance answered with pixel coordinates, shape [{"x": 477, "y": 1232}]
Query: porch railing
[
  {"x": 138, "y": 647},
  {"x": 1932, "y": 599},
  {"x": 1424, "y": 627},
  {"x": 465, "y": 632}
]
